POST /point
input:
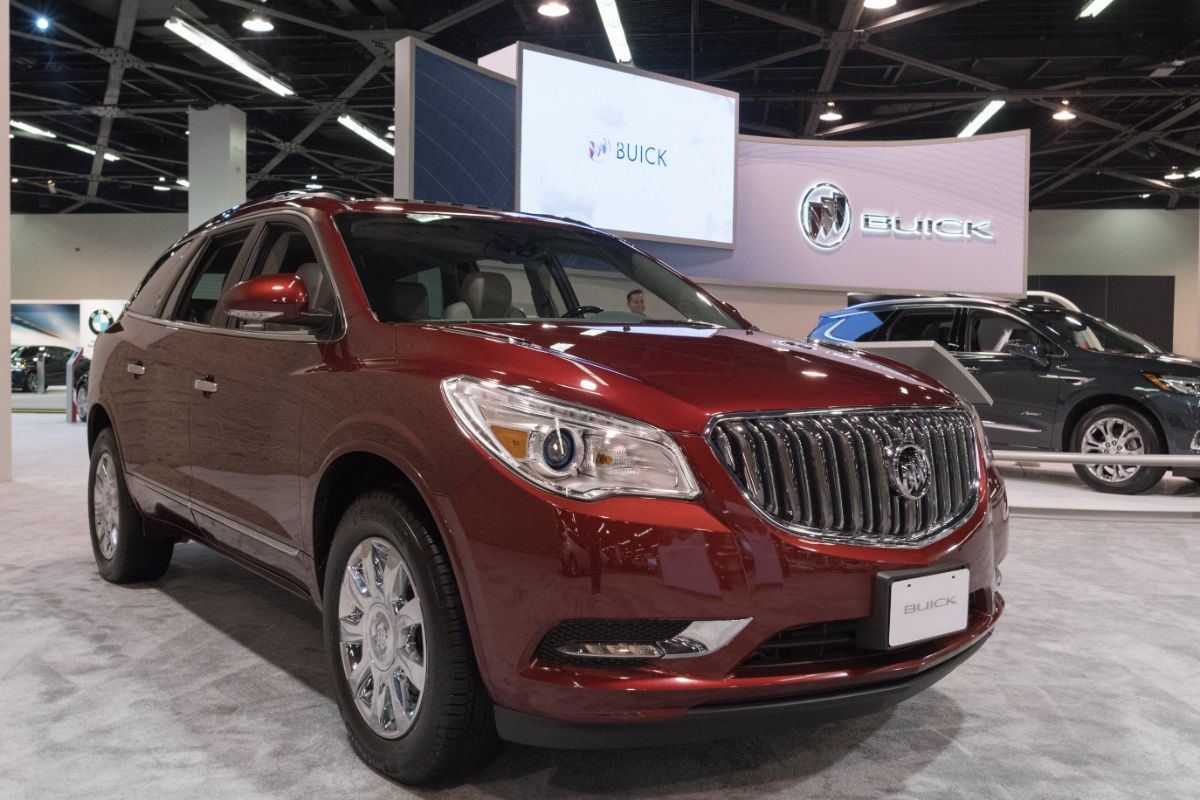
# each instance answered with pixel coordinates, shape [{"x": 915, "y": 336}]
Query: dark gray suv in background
[{"x": 1059, "y": 379}]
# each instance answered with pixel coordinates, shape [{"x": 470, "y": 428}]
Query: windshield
[
  {"x": 1092, "y": 333},
  {"x": 421, "y": 267}
]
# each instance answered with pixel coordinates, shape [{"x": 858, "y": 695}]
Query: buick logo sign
[
  {"x": 909, "y": 470},
  {"x": 598, "y": 147},
  {"x": 100, "y": 321},
  {"x": 825, "y": 216}
]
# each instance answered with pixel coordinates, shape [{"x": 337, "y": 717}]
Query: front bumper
[
  {"x": 530, "y": 561},
  {"x": 725, "y": 720}
]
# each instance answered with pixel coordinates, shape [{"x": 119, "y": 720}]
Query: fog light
[{"x": 611, "y": 650}]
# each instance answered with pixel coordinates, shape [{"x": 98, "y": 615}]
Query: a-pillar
[
  {"x": 216, "y": 161},
  {"x": 5, "y": 271}
]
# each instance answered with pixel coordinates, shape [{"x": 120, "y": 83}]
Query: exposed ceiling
[{"x": 107, "y": 71}]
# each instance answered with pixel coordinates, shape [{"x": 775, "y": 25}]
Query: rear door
[{"x": 1024, "y": 392}]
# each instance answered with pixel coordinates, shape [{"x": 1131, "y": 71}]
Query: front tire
[
  {"x": 1117, "y": 429},
  {"x": 31, "y": 382},
  {"x": 123, "y": 551},
  {"x": 405, "y": 676}
]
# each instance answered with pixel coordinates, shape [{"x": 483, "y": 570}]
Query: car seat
[{"x": 484, "y": 295}]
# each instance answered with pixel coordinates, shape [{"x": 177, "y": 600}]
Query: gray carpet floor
[{"x": 211, "y": 683}]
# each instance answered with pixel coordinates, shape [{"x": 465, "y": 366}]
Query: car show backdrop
[
  {"x": 62, "y": 324},
  {"x": 455, "y": 129},
  {"x": 946, "y": 215}
]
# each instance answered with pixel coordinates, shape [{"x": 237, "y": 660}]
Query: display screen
[
  {"x": 937, "y": 215},
  {"x": 625, "y": 152}
]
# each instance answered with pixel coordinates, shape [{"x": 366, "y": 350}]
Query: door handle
[
  {"x": 206, "y": 385},
  {"x": 134, "y": 368}
]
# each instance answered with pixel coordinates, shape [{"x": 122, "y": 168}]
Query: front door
[
  {"x": 1024, "y": 391},
  {"x": 250, "y": 384}
]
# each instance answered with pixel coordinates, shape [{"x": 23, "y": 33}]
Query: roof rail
[{"x": 334, "y": 193}]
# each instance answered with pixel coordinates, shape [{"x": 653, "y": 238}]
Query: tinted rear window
[{"x": 155, "y": 288}]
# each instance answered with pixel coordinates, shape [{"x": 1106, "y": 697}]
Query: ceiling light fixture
[
  {"x": 184, "y": 182},
  {"x": 31, "y": 129},
  {"x": 1092, "y": 8},
  {"x": 313, "y": 186},
  {"x": 1064, "y": 114},
  {"x": 878, "y": 5},
  {"x": 226, "y": 56},
  {"x": 42, "y": 24},
  {"x": 1144, "y": 195},
  {"x": 356, "y": 126},
  {"x": 91, "y": 152},
  {"x": 258, "y": 24},
  {"x": 985, "y": 113},
  {"x": 1194, "y": 173},
  {"x": 553, "y": 8},
  {"x": 611, "y": 18},
  {"x": 1174, "y": 175},
  {"x": 160, "y": 188},
  {"x": 831, "y": 114}
]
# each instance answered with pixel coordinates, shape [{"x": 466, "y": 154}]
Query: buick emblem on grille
[{"x": 909, "y": 470}]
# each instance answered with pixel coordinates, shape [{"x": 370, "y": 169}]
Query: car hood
[
  {"x": 693, "y": 372},
  {"x": 1161, "y": 363}
]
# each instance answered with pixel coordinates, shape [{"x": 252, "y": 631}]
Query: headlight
[
  {"x": 989, "y": 458},
  {"x": 567, "y": 449},
  {"x": 1174, "y": 383}
]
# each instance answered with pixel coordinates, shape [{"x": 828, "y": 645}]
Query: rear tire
[
  {"x": 434, "y": 717},
  {"x": 1116, "y": 428},
  {"x": 81, "y": 402},
  {"x": 123, "y": 551},
  {"x": 31, "y": 382}
]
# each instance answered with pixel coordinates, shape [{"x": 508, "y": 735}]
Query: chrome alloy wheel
[
  {"x": 1112, "y": 436},
  {"x": 106, "y": 505},
  {"x": 381, "y": 637}
]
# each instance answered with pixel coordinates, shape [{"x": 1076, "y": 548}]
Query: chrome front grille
[{"x": 834, "y": 474}]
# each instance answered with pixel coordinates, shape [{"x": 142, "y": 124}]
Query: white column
[
  {"x": 216, "y": 161},
  {"x": 5, "y": 268}
]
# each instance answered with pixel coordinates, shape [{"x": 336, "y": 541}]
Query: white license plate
[{"x": 928, "y": 606}]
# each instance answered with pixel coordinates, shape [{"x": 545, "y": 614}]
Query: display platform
[
  {"x": 54, "y": 399},
  {"x": 1039, "y": 490}
]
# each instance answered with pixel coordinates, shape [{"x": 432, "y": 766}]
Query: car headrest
[
  {"x": 488, "y": 294},
  {"x": 314, "y": 280},
  {"x": 408, "y": 301}
]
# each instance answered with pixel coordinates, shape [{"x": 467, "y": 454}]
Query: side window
[
  {"x": 286, "y": 250},
  {"x": 863, "y": 326},
  {"x": 923, "y": 324},
  {"x": 207, "y": 281},
  {"x": 150, "y": 295},
  {"x": 991, "y": 332}
]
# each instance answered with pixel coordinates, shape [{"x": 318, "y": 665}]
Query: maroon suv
[{"x": 527, "y": 510}]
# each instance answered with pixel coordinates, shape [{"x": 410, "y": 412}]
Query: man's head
[{"x": 636, "y": 300}]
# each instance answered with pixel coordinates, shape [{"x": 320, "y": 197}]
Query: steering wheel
[{"x": 579, "y": 311}]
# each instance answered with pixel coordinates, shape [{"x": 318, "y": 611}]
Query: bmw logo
[{"x": 100, "y": 321}]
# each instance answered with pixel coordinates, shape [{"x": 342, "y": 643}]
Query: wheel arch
[
  {"x": 345, "y": 478},
  {"x": 97, "y": 420},
  {"x": 1080, "y": 409}
]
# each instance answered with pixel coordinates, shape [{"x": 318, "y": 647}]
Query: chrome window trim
[
  {"x": 931, "y": 536},
  {"x": 291, "y": 336}
]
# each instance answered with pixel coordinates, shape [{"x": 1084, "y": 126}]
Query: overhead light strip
[
  {"x": 366, "y": 133},
  {"x": 1094, "y": 7},
  {"x": 611, "y": 18},
  {"x": 226, "y": 56},
  {"x": 32, "y": 130},
  {"x": 84, "y": 149},
  {"x": 985, "y": 113}
]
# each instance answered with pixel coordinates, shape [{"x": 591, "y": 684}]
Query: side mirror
[
  {"x": 277, "y": 299},
  {"x": 1034, "y": 352}
]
